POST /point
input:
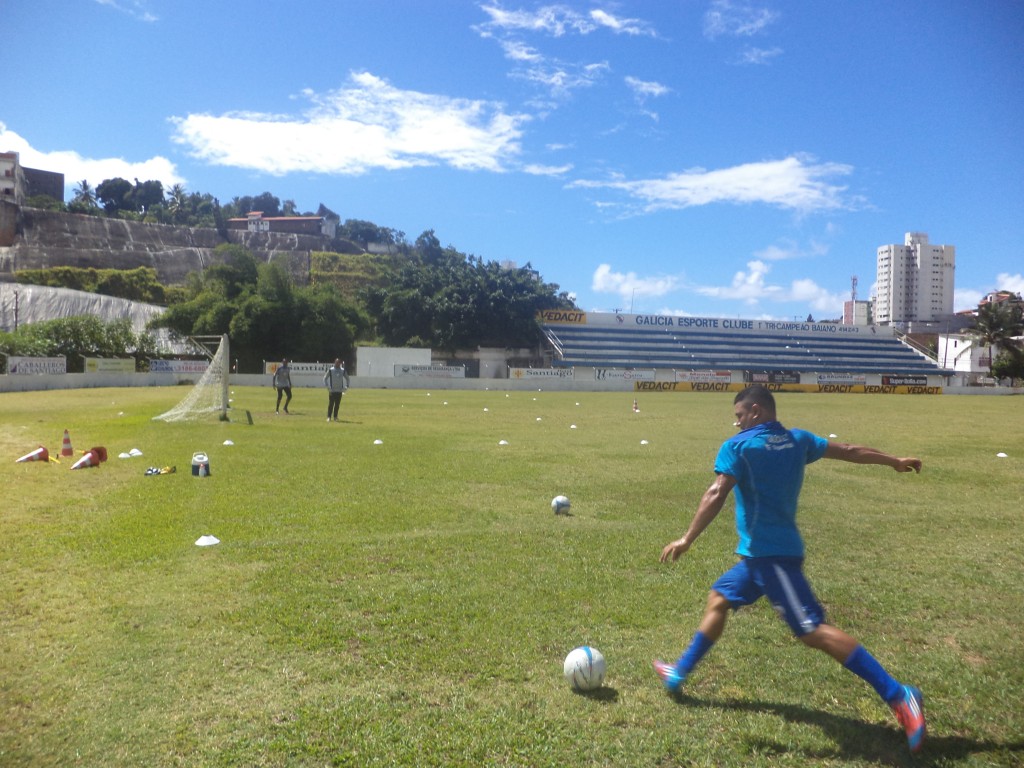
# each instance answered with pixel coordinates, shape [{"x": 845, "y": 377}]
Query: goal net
[{"x": 210, "y": 394}]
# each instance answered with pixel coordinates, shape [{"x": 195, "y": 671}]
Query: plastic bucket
[{"x": 200, "y": 465}]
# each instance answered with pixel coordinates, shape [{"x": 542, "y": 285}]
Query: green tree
[
  {"x": 997, "y": 324},
  {"x": 1009, "y": 365},
  {"x": 178, "y": 204},
  {"x": 46, "y": 203},
  {"x": 267, "y": 203},
  {"x": 113, "y": 194},
  {"x": 428, "y": 247},
  {"x": 363, "y": 232},
  {"x": 145, "y": 195},
  {"x": 328, "y": 327},
  {"x": 457, "y": 303},
  {"x": 77, "y": 338},
  {"x": 235, "y": 272},
  {"x": 84, "y": 200}
]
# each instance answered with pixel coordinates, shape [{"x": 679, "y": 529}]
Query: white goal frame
[{"x": 210, "y": 394}]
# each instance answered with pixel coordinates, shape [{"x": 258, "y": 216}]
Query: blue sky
[{"x": 704, "y": 157}]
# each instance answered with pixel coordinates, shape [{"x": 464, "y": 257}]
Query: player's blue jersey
[{"x": 768, "y": 463}]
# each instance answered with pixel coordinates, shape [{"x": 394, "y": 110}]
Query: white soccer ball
[
  {"x": 584, "y": 668},
  {"x": 560, "y": 505}
]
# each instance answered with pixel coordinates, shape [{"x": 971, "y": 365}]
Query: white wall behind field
[{"x": 581, "y": 383}]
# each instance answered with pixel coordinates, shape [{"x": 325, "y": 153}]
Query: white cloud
[
  {"x": 368, "y": 124},
  {"x": 788, "y": 249},
  {"x": 644, "y": 88},
  {"x": 970, "y": 298},
  {"x": 758, "y": 55},
  {"x": 621, "y": 26},
  {"x": 629, "y": 285},
  {"x": 1007, "y": 282},
  {"x": 778, "y": 252},
  {"x": 134, "y": 8},
  {"x": 558, "y": 20},
  {"x": 749, "y": 286},
  {"x": 553, "y": 20},
  {"x": 966, "y": 298},
  {"x": 561, "y": 79},
  {"x": 796, "y": 183},
  {"x": 736, "y": 19},
  {"x": 518, "y": 51},
  {"x": 547, "y": 170},
  {"x": 752, "y": 287},
  {"x": 94, "y": 170}
]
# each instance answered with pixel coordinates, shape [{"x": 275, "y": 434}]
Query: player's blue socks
[
  {"x": 864, "y": 665},
  {"x": 699, "y": 646}
]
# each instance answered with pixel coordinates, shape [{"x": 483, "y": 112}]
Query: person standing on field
[
  {"x": 765, "y": 463},
  {"x": 283, "y": 384},
  {"x": 336, "y": 381}
]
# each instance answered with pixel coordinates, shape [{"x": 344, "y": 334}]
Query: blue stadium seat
[{"x": 633, "y": 347}]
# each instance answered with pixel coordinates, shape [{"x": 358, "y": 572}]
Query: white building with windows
[{"x": 914, "y": 281}]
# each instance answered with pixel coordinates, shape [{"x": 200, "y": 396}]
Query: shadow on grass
[
  {"x": 881, "y": 744},
  {"x": 605, "y": 695}
]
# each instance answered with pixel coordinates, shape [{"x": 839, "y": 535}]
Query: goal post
[{"x": 210, "y": 393}]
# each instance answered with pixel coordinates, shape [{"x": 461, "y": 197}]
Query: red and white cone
[
  {"x": 65, "y": 449},
  {"x": 90, "y": 459},
  {"x": 636, "y": 407},
  {"x": 39, "y": 454}
]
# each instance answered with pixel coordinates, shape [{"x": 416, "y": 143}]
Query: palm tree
[
  {"x": 177, "y": 202},
  {"x": 997, "y": 325},
  {"x": 85, "y": 193},
  {"x": 84, "y": 200}
]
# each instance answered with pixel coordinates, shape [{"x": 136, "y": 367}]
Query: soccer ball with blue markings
[
  {"x": 560, "y": 505},
  {"x": 584, "y": 668}
]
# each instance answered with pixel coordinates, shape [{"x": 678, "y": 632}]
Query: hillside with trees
[{"x": 373, "y": 287}]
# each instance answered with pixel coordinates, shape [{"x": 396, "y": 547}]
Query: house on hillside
[
  {"x": 965, "y": 353},
  {"x": 255, "y": 221},
  {"x": 18, "y": 183}
]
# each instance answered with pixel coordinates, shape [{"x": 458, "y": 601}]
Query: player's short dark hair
[{"x": 759, "y": 395}]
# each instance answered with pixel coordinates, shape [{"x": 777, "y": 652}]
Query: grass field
[{"x": 410, "y": 603}]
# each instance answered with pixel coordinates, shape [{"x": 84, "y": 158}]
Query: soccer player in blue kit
[{"x": 765, "y": 464}]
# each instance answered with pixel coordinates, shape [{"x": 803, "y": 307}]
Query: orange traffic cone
[
  {"x": 39, "y": 454},
  {"x": 65, "y": 449},
  {"x": 90, "y": 459}
]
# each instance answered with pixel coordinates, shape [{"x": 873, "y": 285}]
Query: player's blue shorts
[{"x": 782, "y": 581}]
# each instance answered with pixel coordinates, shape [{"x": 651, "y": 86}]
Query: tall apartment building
[{"x": 914, "y": 281}]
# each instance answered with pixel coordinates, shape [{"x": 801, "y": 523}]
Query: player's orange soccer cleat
[{"x": 909, "y": 710}]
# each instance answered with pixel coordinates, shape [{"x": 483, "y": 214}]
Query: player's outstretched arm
[
  {"x": 711, "y": 504},
  {"x": 862, "y": 454}
]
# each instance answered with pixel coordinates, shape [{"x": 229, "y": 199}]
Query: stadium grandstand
[{"x": 803, "y": 351}]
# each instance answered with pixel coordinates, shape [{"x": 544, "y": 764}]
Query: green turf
[{"x": 411, "y": 603}]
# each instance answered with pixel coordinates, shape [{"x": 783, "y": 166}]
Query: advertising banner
[
  {"x": 904, "y": 381},
  {"x": 321, "y": 368},
  {"x": 841, "y": 378},
  {"x": 109, "y": 365},
  {"x": 719, "y": 377},
  {"x": 771, "y": 377},
  {"x": 24, "y": 366},
  {"x": 431, "y": 371},
  {"x": 178, "y": 366},
  {"x": 540, "y": 373},
  {"x": 570, "y": 316},
  {"x": 621, "y": 374},
  {"x": 897, "y": 389}
]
